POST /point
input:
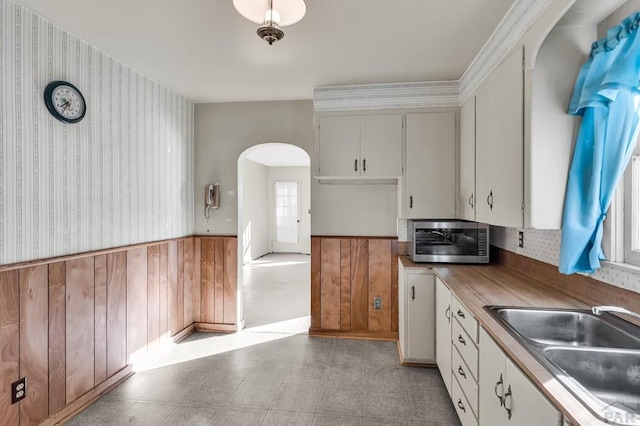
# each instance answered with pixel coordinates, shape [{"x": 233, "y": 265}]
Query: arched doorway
[{"x": 274, "y": 236}]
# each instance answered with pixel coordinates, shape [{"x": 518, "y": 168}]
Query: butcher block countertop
[{"x": 518, "y": 281}]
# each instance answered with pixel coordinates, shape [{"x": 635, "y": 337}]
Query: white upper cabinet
[
  {"x": 430, "y": 184},
  {"x": 467, "y": 200},
  {"x": 500, "y": 145},
  {"x": 360, "y": 146}
]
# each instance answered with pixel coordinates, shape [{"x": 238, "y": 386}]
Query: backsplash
[
  {"x": 544, "y": 245},
  {"x": 121, "y": 176}
]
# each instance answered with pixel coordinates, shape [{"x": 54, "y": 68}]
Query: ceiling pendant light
[{"x": 271, "y": 15}]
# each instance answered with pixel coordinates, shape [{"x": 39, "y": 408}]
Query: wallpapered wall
[{"x": 121, "y": 176}]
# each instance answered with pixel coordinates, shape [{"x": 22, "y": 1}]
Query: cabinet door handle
[
  {"x": 461, "y": 372},
  {"x": 471, "y": 200},
  {"x": 364, "y": 164},
  {"x": 413, "y": 292},
  {"x": 495, "y": 390},
  {"x": 461, "y": 405},
  {"x": 460, "y": 314},
  {"x": 461, "y": 340},
  {"x": 446, "y": 313},
  {"x": 490, "y": 200},
  {"x": 504, "y": 402},
  {"x": 410, "y": 201},
  {"x": 355, "y": 165}
]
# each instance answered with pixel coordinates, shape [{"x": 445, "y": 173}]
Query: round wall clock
[{"x": 64, "y": 101}]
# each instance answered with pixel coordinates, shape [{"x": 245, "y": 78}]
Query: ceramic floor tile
[
  {"x": 254, "y": 395},
  {"x": 368, "y": 421},
  {"x": 385, "y": 378},
  {"x": 344, "y": 402},
  {"x": 435, "y": 408},
  {"x": 239, "y": 417},
  {"x": 344, "y": 377},
  {"x": 388, "y": 405},
  {"x": 268, "y": 371},
  {"x": 147, "y": 414},
  {"x": 331, "y": 420},
  {"x": 287, "y": 418},
  {"x": 189, "y": 415},
  {"x": 296, "y": 397},
  {"x": 208, "y": 393},
  {"x": 310, "y": 374},
  {"x": 101, "y": 412}
]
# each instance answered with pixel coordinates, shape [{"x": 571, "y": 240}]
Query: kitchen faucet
[{"x": 598, "y": 310}]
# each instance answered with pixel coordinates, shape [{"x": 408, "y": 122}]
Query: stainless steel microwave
[{"x": 448, "y": 241}]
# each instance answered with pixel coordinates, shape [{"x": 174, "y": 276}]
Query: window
[{"x": 632, "y": 210}]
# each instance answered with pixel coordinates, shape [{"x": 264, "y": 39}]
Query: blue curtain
[{"x": 606, "y": 95}]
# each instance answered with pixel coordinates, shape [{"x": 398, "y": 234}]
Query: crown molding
[
  {"x": 386, "y": 96},
  {"x": 520, "y": 17}
]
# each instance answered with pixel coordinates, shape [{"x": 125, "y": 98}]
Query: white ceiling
[
  {"x": 206, "y": 51},
  {"x": 279, "y": 155}
]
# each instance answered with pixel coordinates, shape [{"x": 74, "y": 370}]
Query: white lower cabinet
[
  {"x": 443, "y": 332},
  {"x": 507, "y": 397},
  {"x": 417, "y": 314}
]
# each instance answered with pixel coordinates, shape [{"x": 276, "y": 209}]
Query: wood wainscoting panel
[
  {"x": 57, "y": 337},
  {"x": 80, "y": 327},
  {"x": 316, "y": 294},
  {"x": 136, "y": 302},
  {"x": 345, "y": 284},
  {"x": 207, "y": 298},
  {"x": 34, "y": 338},
  {"x": 218, "y": 281},
  {"x": 100, "y": 308},
  {"x": 189, "y": 283},
  {"x": 175, "y": 317},
  {"x": 347, "y": 273},
  {"x": 359, "y": 284},
  {"x": 9, "y": 345},
  {"x": 180, "y": 286},
  {"x": 164, "y": 293},
  {"x": 197, "y": 278},
  {"x": 380, "y": 284},
  {"x": 230, "y": 280},
  {"x": 330, "y": 284},
  {"x": 116, "y": 312},
  {"x": 153, "y": 297}
]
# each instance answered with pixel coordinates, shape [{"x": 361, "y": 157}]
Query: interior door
[{"x": 286, "y": 238}]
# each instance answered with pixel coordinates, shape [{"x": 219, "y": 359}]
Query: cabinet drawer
[
  {"x": 462, "y": 406},
  {"x": 468, "y": 350},
  {"x": 465, "y": 379},
  {"x": 467, "y": 320}
]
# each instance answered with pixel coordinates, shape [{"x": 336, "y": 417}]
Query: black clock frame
[{"x": 48, "y": 91}]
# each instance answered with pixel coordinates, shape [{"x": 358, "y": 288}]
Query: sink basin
[
  {"x": 573, "y": 328},
  {"x": 596, "y": 357}
]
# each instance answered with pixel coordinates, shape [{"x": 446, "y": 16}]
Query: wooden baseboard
[
  {"x": 354, "y": 334},
  {"x": 215, "y": 328},
  {"x": 88, "y": 398},
  {"x": 181, "y": 335},
  {"x": 414, "y": 364}
]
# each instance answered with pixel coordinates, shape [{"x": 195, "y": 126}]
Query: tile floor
[{"x": 272, "y": 373}]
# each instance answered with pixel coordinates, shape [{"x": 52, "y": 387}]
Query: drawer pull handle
[
  {"x": 413, "y": 292},
  {"x": 364, "y": 165},
  {"x": 510, "y": 396},
  {"x": 495, "y": 390},
  {"x": 471, "y": 200},
  {"x": 461, "y": 314},
  {"x": 411, "y": 201},
  {"x": 446, "y": 313},
  {"x": 461, "y": 372},
  {"x": 461, "y": 405},
  {"x": 461, "y": 340},
  {"x": 355, "y": 165}
]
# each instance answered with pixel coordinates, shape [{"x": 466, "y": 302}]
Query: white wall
[
  {"x": 123, "y": 175},
  {"x": 618, "y": 15},
  {"x": 303, "y": 176},
  {"x": 224, "y": 131},
  {"x": 255, "y": 227}
]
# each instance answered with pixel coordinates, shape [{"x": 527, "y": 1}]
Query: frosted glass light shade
[{"x": 290, "y": 11}]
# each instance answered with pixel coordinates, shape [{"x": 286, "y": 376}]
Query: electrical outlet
[
  {"x": 377, "y": 303},
  {"x": 520, "y": 238},
  {"x": 18, "y": 390}
]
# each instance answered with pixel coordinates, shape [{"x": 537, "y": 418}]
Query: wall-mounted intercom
[{"x": 211, "y": 198}]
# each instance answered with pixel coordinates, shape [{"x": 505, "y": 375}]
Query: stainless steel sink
[{"x": 597, "y": 357}]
